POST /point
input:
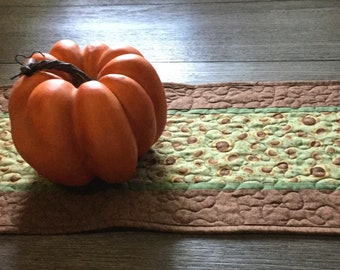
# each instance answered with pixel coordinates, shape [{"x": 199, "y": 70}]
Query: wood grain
[
  {"x": 150, "y": 250},
  {"x": 229, "y": 39},
  {"x": 188, "y": 42},
  {"x": 198, "y": 73},
  {"x": 183, "y": 32}
]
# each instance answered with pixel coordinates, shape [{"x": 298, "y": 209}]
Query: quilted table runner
[{"x": 234, "y": 157}]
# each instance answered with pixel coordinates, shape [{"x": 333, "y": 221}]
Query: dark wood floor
[{"x": 190, "y": 42}]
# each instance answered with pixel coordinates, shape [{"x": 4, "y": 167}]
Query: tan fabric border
[
  {"x": 213, "y": 211},
  {"x": 4, "y": 96},
  {"x": 253, "y": 95}
]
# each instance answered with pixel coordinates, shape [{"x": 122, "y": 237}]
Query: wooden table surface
[{"x": 189, "y": 42}]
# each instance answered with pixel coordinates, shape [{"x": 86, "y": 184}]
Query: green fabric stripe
[{"x": 223, "y": 149}]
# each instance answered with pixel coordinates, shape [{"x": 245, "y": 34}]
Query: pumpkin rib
[
  {"x": 23, "y": 135},
  {"x": 140, "y": 70},
  {"x": 27, "y": 138},
  {"x": 112, "y": 53},
  {"x": 110, "y": 147},
  {"x": 55, "y": 132},
  {"x": 91, "y": 54},
  {"x": 68, "y": 51},
  {"x": 138, "y": 108}
]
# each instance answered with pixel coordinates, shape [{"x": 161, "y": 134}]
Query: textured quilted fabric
[{"x": 233, "y": 157}]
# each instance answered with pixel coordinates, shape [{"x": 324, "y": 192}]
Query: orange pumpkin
[{"x": 95, "y": 128}]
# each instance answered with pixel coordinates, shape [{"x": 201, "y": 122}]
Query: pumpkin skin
[{"x": 70, "y": 134}]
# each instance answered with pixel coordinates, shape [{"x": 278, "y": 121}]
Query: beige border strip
[
  {"x": 207, "y": 211},
  {"x": 253, "y": 95}
]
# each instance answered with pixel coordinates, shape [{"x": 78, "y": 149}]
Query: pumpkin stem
[{"x": 78, "y": 76}]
